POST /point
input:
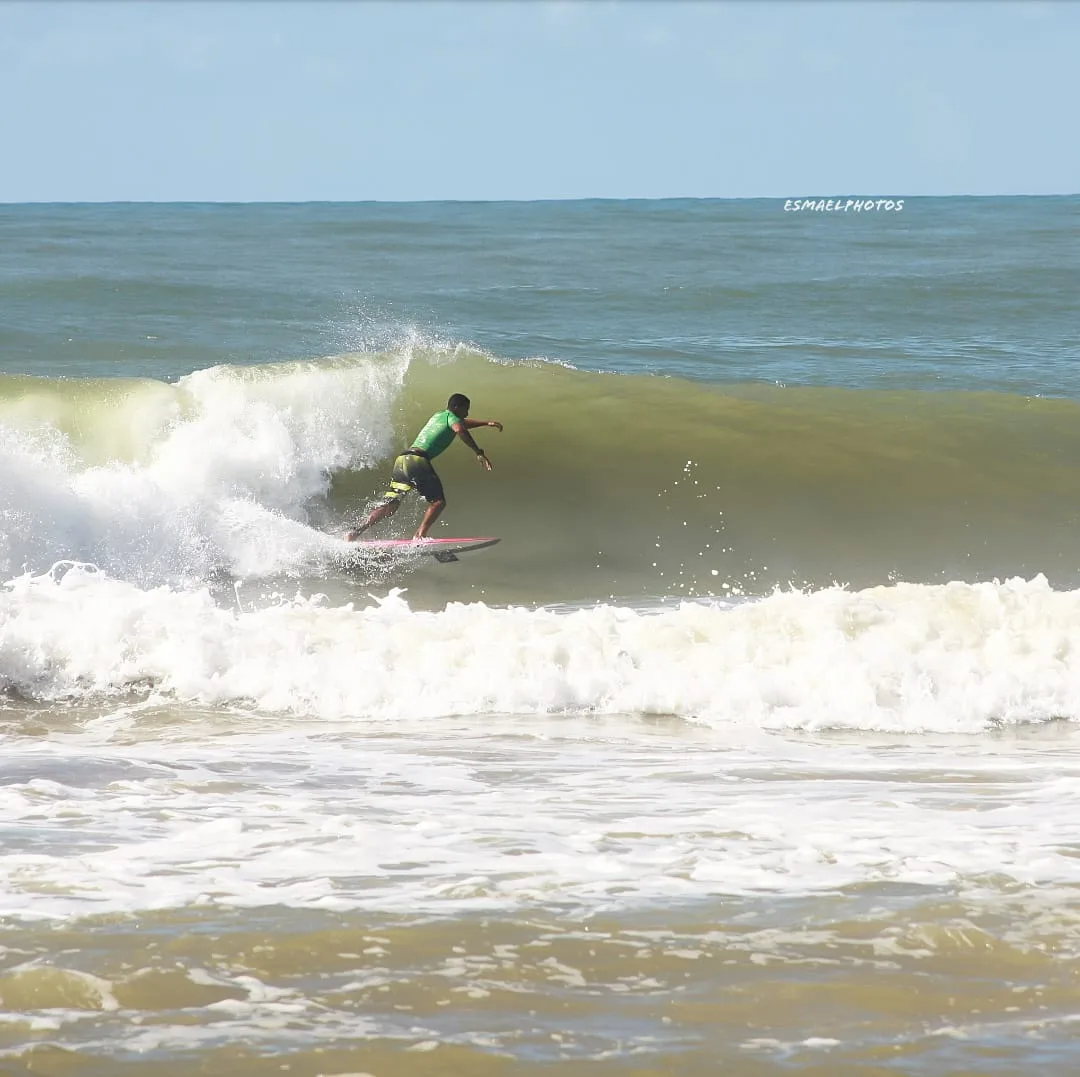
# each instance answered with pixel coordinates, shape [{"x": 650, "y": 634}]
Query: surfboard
[{"x": 442, "y": 549}]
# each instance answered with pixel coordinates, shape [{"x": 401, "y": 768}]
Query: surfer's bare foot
[{"x": 352, "y": 536}]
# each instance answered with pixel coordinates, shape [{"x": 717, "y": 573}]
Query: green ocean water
[{"x": 605, "y": 486}]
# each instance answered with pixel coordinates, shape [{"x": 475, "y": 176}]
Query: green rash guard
[{"x": 437, "y": 434}]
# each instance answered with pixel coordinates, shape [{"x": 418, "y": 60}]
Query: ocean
[{"x": 750, "y": 749}]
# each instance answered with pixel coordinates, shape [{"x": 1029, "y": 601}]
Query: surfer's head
[{"x": 459, "y": 405}]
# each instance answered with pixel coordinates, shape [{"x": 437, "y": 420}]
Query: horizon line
[{"x": 497, "y": 201}]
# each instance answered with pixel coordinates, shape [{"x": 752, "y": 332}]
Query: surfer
[{"x": 413, "y": 470}]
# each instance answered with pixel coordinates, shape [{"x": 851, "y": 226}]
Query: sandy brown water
[
  {"x": 863, "y": 983},
  {"x": 887, "y": 975}
]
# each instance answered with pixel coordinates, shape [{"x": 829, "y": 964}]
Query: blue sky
[{"x": 297, "y": 101}]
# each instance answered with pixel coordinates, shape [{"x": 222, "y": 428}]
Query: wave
[
  {"x": 122, "y": 501},
  {"x": 606, "y": 486},
  {"x": 906, "y": 658},
  {"x": 630, "y": 485}
]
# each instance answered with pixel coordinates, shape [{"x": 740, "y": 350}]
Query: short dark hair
[{"x": 458, "y": 400}]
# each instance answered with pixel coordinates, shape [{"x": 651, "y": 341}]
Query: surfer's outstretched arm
[{"x": 461, "y": 428}]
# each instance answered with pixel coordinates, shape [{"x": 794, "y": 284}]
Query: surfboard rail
[{"x": 443, "y": 550}]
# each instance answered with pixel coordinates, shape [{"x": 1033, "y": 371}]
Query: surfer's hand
[
  {"x": 495, "y": 423},
  {"x": 485, "y": 463}
]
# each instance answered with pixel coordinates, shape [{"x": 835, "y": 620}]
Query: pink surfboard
[{"x": 442, "y": 549}]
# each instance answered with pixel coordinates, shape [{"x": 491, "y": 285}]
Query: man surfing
[{"x": 413, "y": 470}]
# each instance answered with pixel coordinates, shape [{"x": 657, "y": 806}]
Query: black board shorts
[{"x": 414, "y": 472}]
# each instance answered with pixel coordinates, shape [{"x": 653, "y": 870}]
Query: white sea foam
[
  {"x": 392, "y": 759},
  {"x": 493, "y": 818},
  {"x": 232, "y": 459},
  {"x": 906, "y": 658}
]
